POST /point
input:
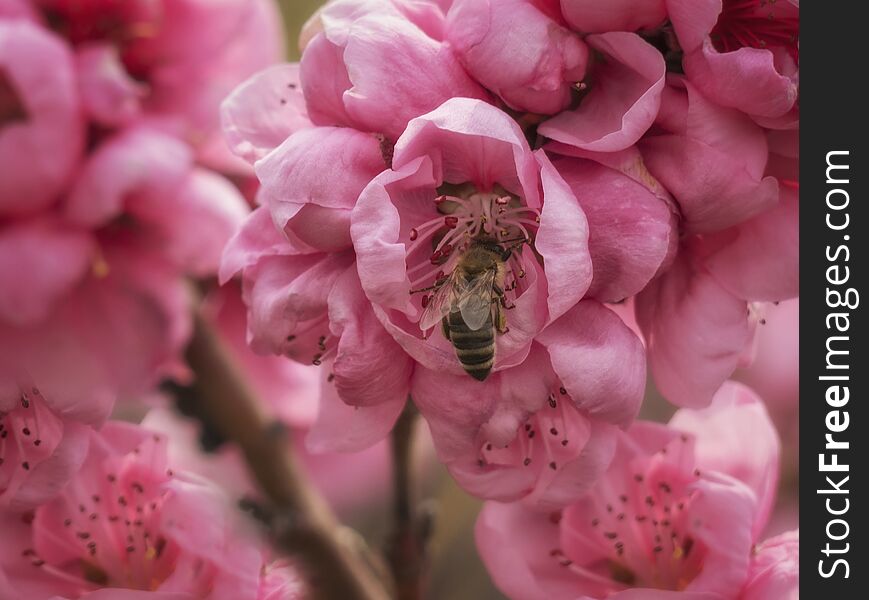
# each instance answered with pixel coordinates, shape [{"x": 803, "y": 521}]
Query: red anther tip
[
  {"x": 413, "y": 234},
  {"x": 451, "y": 222}
]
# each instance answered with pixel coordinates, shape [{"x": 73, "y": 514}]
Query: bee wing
[
  {"x": 440, "y": 304},
  {"x": 475, "y": 301}
]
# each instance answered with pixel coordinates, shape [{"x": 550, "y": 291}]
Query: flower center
[
  {"x": 11, "y": 107},
  {"x": 129, "y": 24},
  {"x": 116, "y": 524},
  {"x": 462, "y": 215},
  {"x": 642, "y": 525},
  {"x": 757, "y": 24}
]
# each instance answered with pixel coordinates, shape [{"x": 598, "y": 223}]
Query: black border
[{"x": 834, "y": 106}]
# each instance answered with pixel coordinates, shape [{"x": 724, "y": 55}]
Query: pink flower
[
  {"x": 362, "y": 68},
  {"x": 94, "y": 303},
  {"x": 545, "y": 429},
  {"x": 463, "y": 172},
  {"x": 775, "y": 569},
  {"x": 674, "y": 513},
  {"x": 310, "y": 307},
  {"x": 173, "y": 61},
  {"x": 127, "y": 523},
  {"x": 39, "y": 110},
  {"x": 535, "y": 75},
  {"x": 741, "y": 54},
  {"x": 42, "y": 444}
]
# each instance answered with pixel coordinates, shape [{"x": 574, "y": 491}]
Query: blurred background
[{"x": 456, "y": 572}]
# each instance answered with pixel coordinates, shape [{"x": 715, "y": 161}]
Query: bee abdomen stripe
[
  {"x": 479, "y": 371},
  {"x": 476, "y": 356},
  {"x": 472, "y": 342}
]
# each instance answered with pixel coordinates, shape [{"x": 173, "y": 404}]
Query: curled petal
[
  {"x": 263, "y": 111},
  {"x": 535, "y": 76},
  {"x": 623, "y": 100},
  {"x": 563, "y": 242},
  {"x": 775, "y": 569}
]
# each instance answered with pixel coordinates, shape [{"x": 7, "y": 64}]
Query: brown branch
[
  {"x": 407, "y": 545},
  {"x": 307, "y": 528}
]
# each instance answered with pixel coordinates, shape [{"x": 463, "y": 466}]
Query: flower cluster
[
  {"x": 113, "y": 195},
  {"x": 594, "y": 162}
]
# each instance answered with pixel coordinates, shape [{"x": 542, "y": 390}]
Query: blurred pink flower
[
  {"x": 535, "y": 76},
  {"x": 741, "y": 54},
  {"x": 676, "y": 515},
  {"x": 128, "y": 523},
  {"x": 94, "y": 303},
  {"x": 40, "y": 110},
  {"x": 775, "y": 569}
]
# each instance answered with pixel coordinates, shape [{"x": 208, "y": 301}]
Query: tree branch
[
  {"x": 309, "y": 530},
  {"x": 407, "y": 546}
]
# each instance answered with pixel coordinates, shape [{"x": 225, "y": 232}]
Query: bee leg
[
  {"x": 499, "y": 318},
  {"x": 445, "y": 328}
]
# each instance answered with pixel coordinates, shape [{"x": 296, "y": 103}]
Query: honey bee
[{"x": 469, "y": 302}]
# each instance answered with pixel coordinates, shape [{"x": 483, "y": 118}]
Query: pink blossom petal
[
  {"x": 624, "y": 96},
  {"x": 287, "y": 301},
  {"x": 693, "y": 20},
  {"x": 131, "y": 161},
  {"x": 383, "y": 55},
  {"x": 37, "y": 80},
  {"x": 525, "y": 570},
  {"x": 344, "y": 428},
  {"x": 563, "y": 241},
  {"x": 759, "y": 259},
  {"x": 735, "y": 436},
  {"x": 263, "y": 111},
  {"x": 713, "y": 188},
  {"x": 300, "y": 173},
  {"x": 695, "y": 332},
  {"x": 375, "y": 226},
  {"x": 257, "y": 236},
  {"x": 535, "y": 76},
  {"x": 40, "y": 261},
  {"x": 746, "y": 79},
  {"x": 631, "y": 229},
  {"x": 370, "y": 368},
  {"x": 470, "y": 141},
  {"x": 775, "y": 569},
  {"x": 324, "y": 80},
  {"x": 600, "y": 361},
  {"x": 110, "y": 96},
  {"x": 196, "y": 221},
  {"x": 722, "y": 520},
  {"x": 589, "y": 16}
]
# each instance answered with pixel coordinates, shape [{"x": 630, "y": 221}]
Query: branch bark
[
  {"x": 311, "y": 533},
  {"x": 407, "y": 545}
]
